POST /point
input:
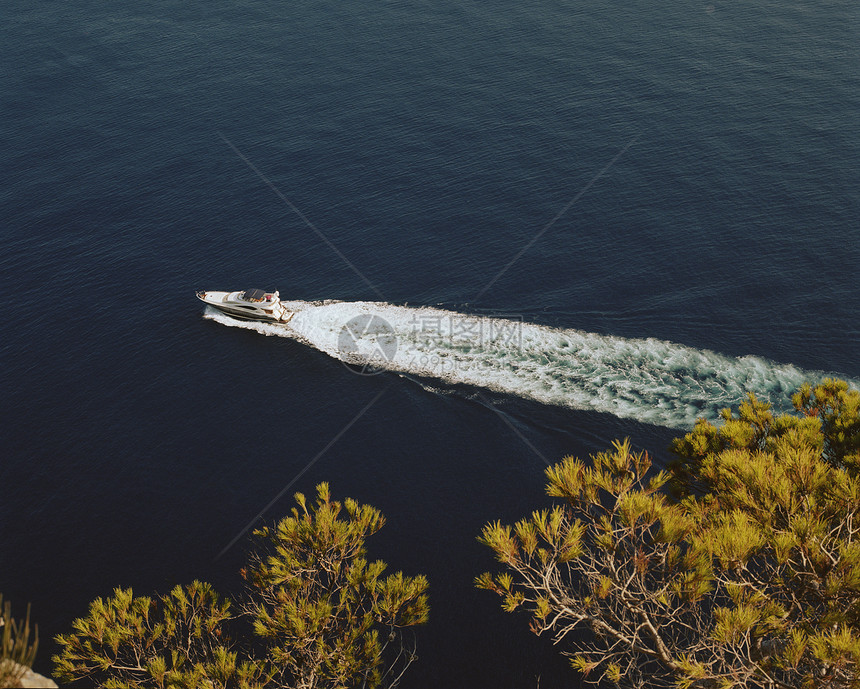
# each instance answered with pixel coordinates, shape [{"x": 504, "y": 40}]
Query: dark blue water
[{"x": 429, "y": 143}]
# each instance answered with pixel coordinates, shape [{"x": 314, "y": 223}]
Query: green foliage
[
  {"x": 749, "y": 575},
  {"x": 326, "y": 611},
  {"x": 837, "y": 407},
  {"x": 175, "y": 640},
  {"x": 828, "y": 424},
  {"x": 17, "y": 650},
  {"x": 611, "y": 558},
  {"x": 322, "y": 616}
]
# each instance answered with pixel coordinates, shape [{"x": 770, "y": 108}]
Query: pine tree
[
  {"x": 746, "y": 573},
  {"x": 328, "y": 615},
  {"x": 316, "y": 614}
]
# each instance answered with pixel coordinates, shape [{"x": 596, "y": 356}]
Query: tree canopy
[
  {"x": 316, "y": 613},
  {"x": 737, "y": 566}
]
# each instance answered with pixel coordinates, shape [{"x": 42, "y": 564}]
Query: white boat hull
[{"x": 267, "y": 309}]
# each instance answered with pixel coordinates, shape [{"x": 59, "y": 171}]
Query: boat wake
[{"x": 648, "y": 380}]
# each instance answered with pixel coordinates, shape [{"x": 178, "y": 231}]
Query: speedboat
[{"x": 250, "y": 305}]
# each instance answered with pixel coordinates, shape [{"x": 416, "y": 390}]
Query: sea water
[{"x": 651, "y": 207}]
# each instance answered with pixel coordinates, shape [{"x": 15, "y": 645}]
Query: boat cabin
[{"x": 256, "y": 296}]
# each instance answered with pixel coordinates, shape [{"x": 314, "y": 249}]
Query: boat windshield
[{"x": 253, "y": 295}]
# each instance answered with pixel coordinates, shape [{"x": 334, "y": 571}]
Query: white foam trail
[{"x": 648, "y": 380}]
